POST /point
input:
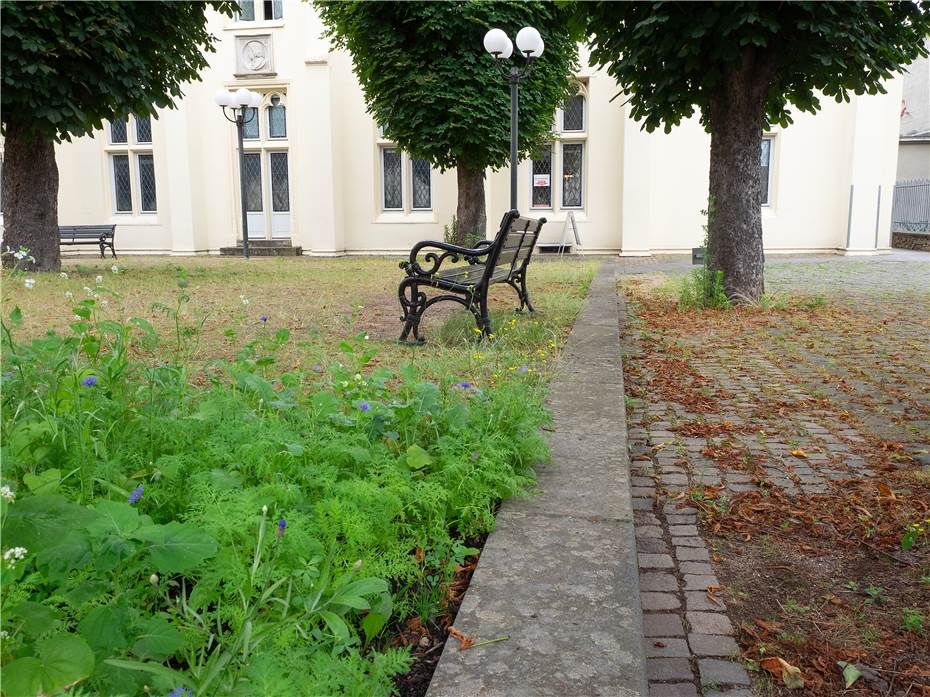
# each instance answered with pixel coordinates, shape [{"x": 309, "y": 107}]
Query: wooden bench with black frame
[
  {"x": 501, "y": 260},
  {"x": 100, "y": 235}
]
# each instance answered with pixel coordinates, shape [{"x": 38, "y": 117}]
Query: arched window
[{"x": 277, "y": 118}]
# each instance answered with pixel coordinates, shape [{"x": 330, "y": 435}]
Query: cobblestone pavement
[{"x": 789, "y": 400}]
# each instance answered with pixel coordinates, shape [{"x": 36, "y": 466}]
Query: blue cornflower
[
  {"x": 181, "y": 692},
  {"x": 89, "y": 381},
  {"x": 282, "y": 525},
  {"x": 522, "y": 369},
  {"x": 364, "y": 406},
  {"x": 464, "y": 385},
  {"x": 263, "y": 318},
  {"x": 135, "y": 495}
]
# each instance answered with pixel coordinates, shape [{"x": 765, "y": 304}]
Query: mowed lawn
[{"x": 220, "y": 303}]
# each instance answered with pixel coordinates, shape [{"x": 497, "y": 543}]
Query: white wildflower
[
  {"x": 366, "y": 337},
  {"x": 30, "y": 283},
  {"x": 4, "y": 634},
  {"x": 78, "y": 318},
  {"x": 244, "y": 300},
  {"x": 13, "y": 555},
  {"x": 20, "y": 255},
  {"x": 69, "y": 295},
  {"x": 153, "y": 579},
  {"x": 7, "y": 493},
  {"x": 114, "y": 268},
  {"x": 63, "y": 274},
  {"x": 88, "y": 290},
  {"x": 99, "y": 280},
  {"x": 104, "y": 302},
  {"x": 358, "y": 376},
  {"x": 264, "y": 510}
]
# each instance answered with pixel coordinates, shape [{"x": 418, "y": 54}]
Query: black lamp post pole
[
  {"x": 240, "y": 125},
  {"x": 239, "y": 118},
  {"x": 514, "y": 75},
  {"x": 514, "y": 133}
]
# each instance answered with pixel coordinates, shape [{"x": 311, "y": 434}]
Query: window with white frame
[
  {"x": 266, "y": 169},
  {"x": 765, "y": 169},
  {"x": 132, "y": 165},
  {"x": 406, "y": 182},
  {"x": 542, "y": 178},
  {"x": 562, "y": 160},
  {"x": 260, "y": 10}
]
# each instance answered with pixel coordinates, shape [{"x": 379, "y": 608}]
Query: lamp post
[
  {"x": 498, "y": 44},
  {"x": 239, "y": 103}
]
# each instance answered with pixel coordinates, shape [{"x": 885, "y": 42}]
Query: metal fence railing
[{"x": 910, "y": 211}]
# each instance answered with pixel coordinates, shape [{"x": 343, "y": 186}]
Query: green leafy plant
[
  {"x": 912, "y": 620},
  {"x": 914, "y": 533},
  {"x": 703, "y": 287},
  {"x": 212, "y": 538}
]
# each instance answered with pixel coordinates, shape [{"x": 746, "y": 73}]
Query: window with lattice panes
[
  {"x": 542, "y": 178},
  {"x": 258, "y": 10},
  {"x": 277, "y": 118},
  {"x": 420, "y": 185},
  {"x": 392, "y": 179},
  {"x": 765, "y": 169},
  {"x": 132, "y": 165},
  {"x": 251, "y": 130},
  {"x": 573, "y": 114},
  {"x": 572, "y": 175}
]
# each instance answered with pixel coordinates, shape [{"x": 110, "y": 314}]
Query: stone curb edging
[{"x": 559, "y": 573}]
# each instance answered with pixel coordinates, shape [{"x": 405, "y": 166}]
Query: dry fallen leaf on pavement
[
  {"x": 886, "y": 491},
  {"x": 464, "y": 640},
  {"x": 799, "y": 453},
  {"x": 780, "y": 668}
]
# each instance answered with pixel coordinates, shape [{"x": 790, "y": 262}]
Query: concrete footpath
[{"x": 559, "y": 574}]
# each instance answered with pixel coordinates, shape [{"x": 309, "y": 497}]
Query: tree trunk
[
  {"x": 470, "y": 212},
  {"x": 30, "y": 200},
  {"x": 734, "y": 226}
]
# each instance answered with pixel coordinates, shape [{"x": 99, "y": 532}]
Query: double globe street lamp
[
  {"x": 530, "y": 45},
  {"x": 243, "y": 105}
]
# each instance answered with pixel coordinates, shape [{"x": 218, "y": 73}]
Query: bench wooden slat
[
  {"x": 504, "y": 260},
  {"x": 100, "y": 235}
]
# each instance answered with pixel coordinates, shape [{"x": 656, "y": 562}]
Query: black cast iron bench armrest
[
  {"x": 453, "y": 252},
  {"x": 502, "y": 261}
]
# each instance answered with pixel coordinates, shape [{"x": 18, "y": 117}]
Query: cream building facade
[{"x": 320, "y": 175}]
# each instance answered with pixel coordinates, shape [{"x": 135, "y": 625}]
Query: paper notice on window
[{"x": 541, "y": 181}]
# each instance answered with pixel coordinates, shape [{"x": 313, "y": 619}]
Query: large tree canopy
[
  {"x": 438, "y": 95},
  {"x": 742, "y": 66},
  {"x": 67, "y": 67}
]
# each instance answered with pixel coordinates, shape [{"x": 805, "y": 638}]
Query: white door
[
  {"x": 255, "y": 210},
  {"x": 279, "y": 192}
]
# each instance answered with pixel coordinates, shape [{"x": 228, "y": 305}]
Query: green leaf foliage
[
  {"x": 61, "y": 660},
  {"x": 197, "y": 583},
  {"x": 67, "y": 66},
  {"x": 158, "y": 640},
  {"x": 671, "y": 58},
  {"x": 177, "y": 547},
  {"x": 437, "y": 93}
]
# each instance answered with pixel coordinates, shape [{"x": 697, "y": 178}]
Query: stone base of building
[
  {"x": 264, "y": 248},
  {"x": 911, "y": 240}
]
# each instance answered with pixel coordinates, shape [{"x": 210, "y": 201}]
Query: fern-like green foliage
[{"x": 236, "y": 538}]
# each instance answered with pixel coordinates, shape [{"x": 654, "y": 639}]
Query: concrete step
[
  {"x": 558, "y": 576},
  {"x": 264, "y": 248}
]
